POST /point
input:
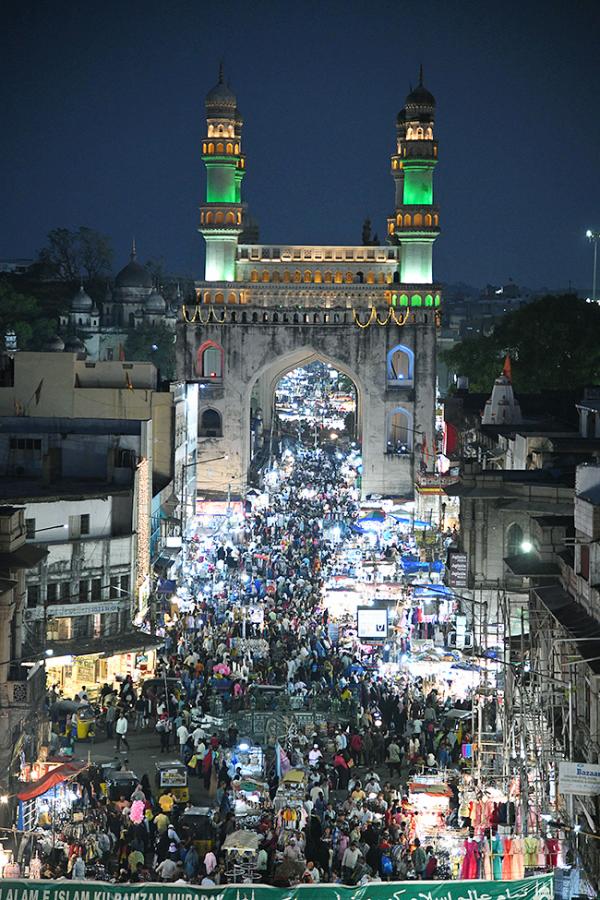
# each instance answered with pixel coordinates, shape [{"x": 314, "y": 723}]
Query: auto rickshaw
[
  {"x": 172, "y": 778},
  {"x": 196, "y": 823},
  {"x": 86, "y": 723},
  {"x": 118, "y": 784}
]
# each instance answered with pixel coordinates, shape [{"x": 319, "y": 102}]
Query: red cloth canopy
[{"x": 55, "y": 776}]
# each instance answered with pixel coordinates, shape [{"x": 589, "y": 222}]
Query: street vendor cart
[
  {"x": 172, "y": 778},
  {"x": 241, "y": 853}
]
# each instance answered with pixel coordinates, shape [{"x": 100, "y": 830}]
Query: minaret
[
  {"x": 415, "y": 225},
  {"x": 221, "y": 214}
]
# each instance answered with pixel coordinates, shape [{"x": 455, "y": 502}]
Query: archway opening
[{"x": 313, "y": 406}]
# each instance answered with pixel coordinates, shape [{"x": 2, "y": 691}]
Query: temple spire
[
  {"x": 421, "y": 75},
  {"x": 221, "y": 73},
  {"x": 133, "y": 249}
]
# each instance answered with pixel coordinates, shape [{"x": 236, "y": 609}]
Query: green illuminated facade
[
  {"x": 415, "y": 224},
  {"x": 222, "y": 213}
]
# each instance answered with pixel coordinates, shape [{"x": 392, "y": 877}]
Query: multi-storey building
[{"x": 90, "y": 446}]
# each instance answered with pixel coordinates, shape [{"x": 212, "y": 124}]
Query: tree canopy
[
  {"x": 26, "y": 316},
  {"x": 152, "y": 343},
  {"x": 70, "y": 255},
  {"x": 552, "y": 342}
]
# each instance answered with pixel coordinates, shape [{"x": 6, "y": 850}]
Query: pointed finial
[
  {"x": 221, "y": 73},
  {"x": 421, "y": 75},
  {"x": 133, "y": 250}
]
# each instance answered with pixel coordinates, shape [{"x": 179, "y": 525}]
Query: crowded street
[{"x": 310, "y": 715}]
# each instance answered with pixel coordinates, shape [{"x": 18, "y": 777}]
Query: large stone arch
[{"x": 270, "y": 373}]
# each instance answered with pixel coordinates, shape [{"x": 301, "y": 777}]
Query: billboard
[{"x": 372, "y": 623}]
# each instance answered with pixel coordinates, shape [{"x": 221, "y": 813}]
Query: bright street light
[
  {"x": 526, "y": 546},
  {"x": 594, "y": 237}
]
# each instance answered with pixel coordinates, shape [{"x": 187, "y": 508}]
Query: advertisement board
[
  {"x": 372, "y": 623},
  {"x": 579, "y": 778}
]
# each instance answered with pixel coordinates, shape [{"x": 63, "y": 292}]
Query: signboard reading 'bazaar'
[{"x": 527, "y": 889}]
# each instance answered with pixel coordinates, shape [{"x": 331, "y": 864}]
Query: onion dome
[
  {"x": 75, "y": 345},
  {"x": 420, "y": 98},
  {"x": 54, "y": 344},
  {"x": 155, "y": 303},
  {"x": 133, "y": 275},
  {"x": 81, "y": 302},
  {"x": 220, "y": 100}
]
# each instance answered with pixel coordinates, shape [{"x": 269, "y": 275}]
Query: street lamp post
[{"x": 594, "y": 237}]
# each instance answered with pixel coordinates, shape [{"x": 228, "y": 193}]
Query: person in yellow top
[
  {"x": 166, "y": 803},
  {"x": 346, "y": 695},
  {"x": 162, "y": 822}
]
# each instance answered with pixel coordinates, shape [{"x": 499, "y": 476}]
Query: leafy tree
[
  {"x": 152, "y": 343},
  {"x": 24, "y": 315},
  {"x": 71, "y": 254},
  {"x": 552, "y": 342}
]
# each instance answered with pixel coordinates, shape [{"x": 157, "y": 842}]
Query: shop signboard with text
[
  {"x": 579, "y": 778},
  {"x": 540, "y": 888}
]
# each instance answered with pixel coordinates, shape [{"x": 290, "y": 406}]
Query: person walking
[
  {"x": 111, "y": 715},
  {"x": 121, "y": 731}
]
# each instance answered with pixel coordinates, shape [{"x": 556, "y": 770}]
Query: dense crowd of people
[{"x": 354, "y": 820}]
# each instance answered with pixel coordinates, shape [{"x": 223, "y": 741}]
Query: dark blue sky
[{"x": 103, "y": 106}]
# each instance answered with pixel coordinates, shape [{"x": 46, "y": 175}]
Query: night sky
[{"x": 103, "y": 115}]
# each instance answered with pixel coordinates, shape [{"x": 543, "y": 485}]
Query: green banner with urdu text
[{"x": 528, "y": 889}]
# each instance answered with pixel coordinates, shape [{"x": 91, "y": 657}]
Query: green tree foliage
[
  {"x": 69, "y": 255},
  {"x": 24, "y": 315},
  {"x": 553, "y": 344},
  {"x": 152, "y": 343}
]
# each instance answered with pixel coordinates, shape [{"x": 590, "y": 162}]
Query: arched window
[
  {"x": 220, "y": 148},
  {"x": 407, "y": 220},
  {"x": 229, "y": 148},
  {"x": 420, "y": 133},
  {"x": 211, "y": 147},
  {"x": 211, "y": 424},
  {"x": 254, "y": 275},
  {"x": 399, "y": 433},
  {"x": 307, "y": 276},
  {"x": 219, "y": 297},
  {"x": 219, "y": 218},
  {"x": 349, "y": 278},
  {"x": 237, "y": 148},
  {"x": 381, "y": 278},
  {"x": 418, "y": 219},
  {"x": 210, "y": 360},
  {"x": 403, "y": 300},
  {"x": 370, "y": 278},
  {"x": 276, "y": 277},
  {"x": 514, "y": 540},
  {"x": 360, "y": 277},
  {"x": 231, "y": 298},
  {"x": 318, "y": 277},
  {"x": 204, "y": 144},
  {"x": 400, "y": 365},
  {"x": 265, "y": 276},
  {"x": 207, "y": 296},
  {"x": 286, "y": 277},
  {"x": 428, "y": 220},
  {"x": 209, "y": 217},
  {"x": 327, "y": 278},
  {"x": 230, "y": 218},
  {"x": 399, "y": 219},
  {"x": 436, "y": 219},
  {"x": 338, "y": 277},
  {"x": 416, "y": 300},
  {"x": 429, "y": 134},
  {"x": 297, "y": 277},
  {"x": 428, "y": 300}
]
